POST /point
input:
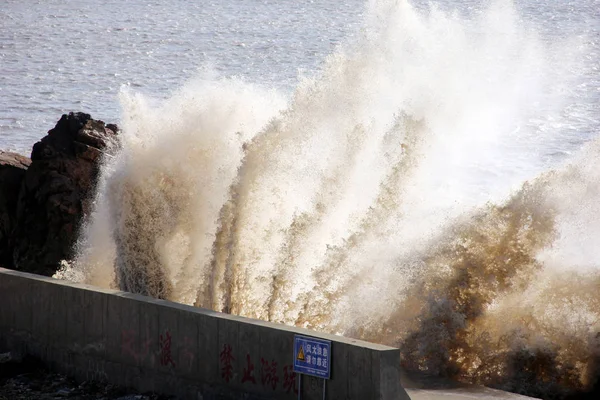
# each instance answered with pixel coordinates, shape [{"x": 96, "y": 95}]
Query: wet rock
[
  {"x": 34, "y": 381},
  {"x": 57, "y": 191},
  {"x": 64, "y": 392},
  {"x": 12, "y": 171},
  {"x": 11, "y": 365}
]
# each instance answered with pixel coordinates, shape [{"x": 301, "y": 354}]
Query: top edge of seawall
[{"x": 197, "y": 310}]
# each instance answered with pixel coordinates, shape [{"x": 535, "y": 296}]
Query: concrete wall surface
[{"x": 155, "y": 345}]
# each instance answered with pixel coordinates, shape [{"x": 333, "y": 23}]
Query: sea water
[{"x": 424, "y": 175}]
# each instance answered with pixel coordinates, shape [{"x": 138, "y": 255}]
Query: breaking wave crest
[{"x": 401, "y": 195}]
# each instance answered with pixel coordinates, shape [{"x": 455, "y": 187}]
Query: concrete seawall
[{"x": 156, "y": 345}]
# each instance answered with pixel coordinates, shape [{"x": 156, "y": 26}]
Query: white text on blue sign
[{"x": 312, "y": 356}]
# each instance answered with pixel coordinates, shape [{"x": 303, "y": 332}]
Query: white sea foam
[{"x": 386, "y": 199}]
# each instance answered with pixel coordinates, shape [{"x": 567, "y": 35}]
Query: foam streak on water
[{"x": 386, "y": 199}]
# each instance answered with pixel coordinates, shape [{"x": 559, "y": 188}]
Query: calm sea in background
[{"x": 58, "y": 56}]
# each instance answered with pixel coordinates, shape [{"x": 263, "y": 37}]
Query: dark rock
[
  {"x": 12, "y": 171},
  {"x": 12, "y": 366},
  {"x": 65, "y": 392},
  {"x": 57, "y": 192}
]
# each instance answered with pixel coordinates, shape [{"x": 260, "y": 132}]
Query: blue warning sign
[{"x": 312, "y": 356}]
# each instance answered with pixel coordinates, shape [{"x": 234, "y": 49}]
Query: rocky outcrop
[
  {"x": 57, "y": 191},
  {"x": 12, "y": 171}
]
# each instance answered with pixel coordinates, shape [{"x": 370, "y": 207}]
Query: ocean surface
[
  {"x": 420, "y": 174},
  {"x": 58, "y": 56}
]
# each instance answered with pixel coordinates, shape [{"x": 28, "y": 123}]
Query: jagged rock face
[
  {"x": 12, "y": 171},
  {"x": 57, "y": 192}
]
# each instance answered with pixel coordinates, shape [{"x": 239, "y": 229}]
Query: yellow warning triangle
[{"x": 300, "y": 356}]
